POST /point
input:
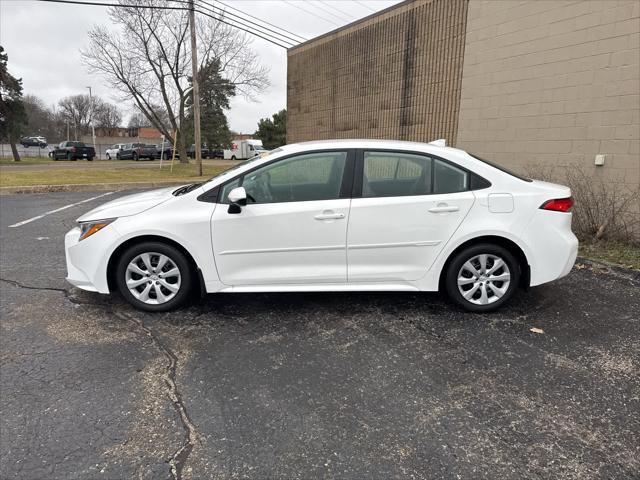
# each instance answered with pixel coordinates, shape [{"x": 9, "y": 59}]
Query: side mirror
[{"x": 237, "y": 198}]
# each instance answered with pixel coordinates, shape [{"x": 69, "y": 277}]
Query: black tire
[
  {"x": 90, "y": 159},
  {"x": 134, "y": 156},
  {"x": 484, "y": 282},
  {"x": 175, "y": 256}
]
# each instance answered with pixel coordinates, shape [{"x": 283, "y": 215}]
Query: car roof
[{"x": 371, "y": 143}]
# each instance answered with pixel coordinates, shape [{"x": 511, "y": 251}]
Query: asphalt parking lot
[{"x": 339, "y": 385}]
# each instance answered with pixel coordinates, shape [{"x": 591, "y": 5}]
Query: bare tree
[
  {"x": 137, "y": 120},
  {"x": 149, "y": 61},
  {"x": 44, "y": 120},
  {"x": 107, "y": 116},
  {"x": 76, "y": 109}
]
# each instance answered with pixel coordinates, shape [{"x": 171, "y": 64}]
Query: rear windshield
[{"x": 501, "y": 168}]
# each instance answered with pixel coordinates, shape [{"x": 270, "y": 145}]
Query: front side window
[
  {"x": 395, "y": 174},
  {"x": 301, "y": 178}
]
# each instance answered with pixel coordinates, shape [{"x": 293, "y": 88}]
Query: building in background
[{"x": 525, "y": 83}]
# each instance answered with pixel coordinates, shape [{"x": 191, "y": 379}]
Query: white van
[{"x": 243, "y": 149}]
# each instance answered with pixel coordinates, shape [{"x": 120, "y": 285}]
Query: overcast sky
[{"x": 43, "y": 42}]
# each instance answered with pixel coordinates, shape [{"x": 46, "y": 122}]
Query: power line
[
  {"x": 264, "y": 21},
  {"x": 219, "y": 17},
  {"x": 101, "y": 4},
  {"x": 240, "y": 28},
  {"x": 312, "y": 13},
  {"x": 341, "y": 15},
  {"x": 163, "y": 7},
  {"x": 365, "y": 6},
  {"x": 247, "y": 23}
]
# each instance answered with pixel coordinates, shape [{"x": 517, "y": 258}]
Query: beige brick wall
[
  {"x": 395, "y": 75},
  {"x": 553, "y": 82}
]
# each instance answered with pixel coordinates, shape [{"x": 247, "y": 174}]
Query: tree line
[{"x": 146, "y": 62}]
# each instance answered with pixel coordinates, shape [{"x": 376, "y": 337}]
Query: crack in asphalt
[
  {"x": 30, "y": 287},
  {"x": 180, "y": 456}
]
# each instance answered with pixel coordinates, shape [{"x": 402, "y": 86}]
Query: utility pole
[
  {"x": 93, "y": 128},
  {"x": 196, "y": 87}
]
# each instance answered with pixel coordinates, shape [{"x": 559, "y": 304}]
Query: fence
[{"x": 101, "y": 147}]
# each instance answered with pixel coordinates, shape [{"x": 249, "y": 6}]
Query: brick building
[{"x": 525, "y": 83}]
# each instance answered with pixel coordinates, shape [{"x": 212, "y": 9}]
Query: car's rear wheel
[
  {"x": 482, "y": 277},
  {"x": 154, "y": 276}
]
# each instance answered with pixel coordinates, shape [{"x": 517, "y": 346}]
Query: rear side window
[
  {"x": 448, "y": 178},
  {"x": 395, "y": 174}
]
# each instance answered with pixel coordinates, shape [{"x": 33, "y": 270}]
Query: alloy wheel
[
  {"x": 484, "y": 279},
  {"x": 153, "y": 278}
]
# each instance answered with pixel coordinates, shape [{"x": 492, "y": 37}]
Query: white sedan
[{"x": 345, "y": 215}]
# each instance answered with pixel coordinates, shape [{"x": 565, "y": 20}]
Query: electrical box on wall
[{"x": 599, "y": 160}]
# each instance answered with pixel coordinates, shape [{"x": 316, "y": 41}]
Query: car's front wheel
[
  {"x": 482, "y": 277},
  {"x": 154, "y": 276}
]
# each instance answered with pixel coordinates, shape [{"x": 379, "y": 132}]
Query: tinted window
[
  {"x": 448, "y": 178},
  {"x": 312, "y": 176},
  {"x": 390, "y": 174}
]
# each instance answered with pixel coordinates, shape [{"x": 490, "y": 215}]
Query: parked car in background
[
  {"x": 136, "y": 151},
  {"x": 191, "y": 151},
  {"x": 40, "y": 142},
  {"x": 412, "y": 217},
  {"x": 217, "y": 152},
  {"x": 244, "y": 149},
  {"x": 113, "y": 150},
  {"x": 73, "y": 151},
  {"x": 165, "y": 151}
]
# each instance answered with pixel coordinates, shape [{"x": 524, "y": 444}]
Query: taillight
[{"x": 558, "y": 204}]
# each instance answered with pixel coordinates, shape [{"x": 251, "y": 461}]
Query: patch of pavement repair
[
  {"x": 181, "y": 455},
  {"x": 157, "y": 376}
]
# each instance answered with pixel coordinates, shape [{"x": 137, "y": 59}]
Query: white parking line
[{"x": 38, "y": 217}]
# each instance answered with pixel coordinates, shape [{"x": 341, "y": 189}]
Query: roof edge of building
[{"x": 351, "y": 25}]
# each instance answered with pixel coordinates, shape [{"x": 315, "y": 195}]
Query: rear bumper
[{"x": 553, "y": 245}]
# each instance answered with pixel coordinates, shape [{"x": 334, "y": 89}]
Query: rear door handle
[
  {"x": 444, "y": 209},
  {"x": 329, "y": 216}
]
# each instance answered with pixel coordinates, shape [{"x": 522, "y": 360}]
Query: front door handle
[
  {"x": 329, "y": 216},
  {"x": 444, "y": 208}
]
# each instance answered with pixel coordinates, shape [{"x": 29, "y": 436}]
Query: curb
[{"x": 87, "y": 187}]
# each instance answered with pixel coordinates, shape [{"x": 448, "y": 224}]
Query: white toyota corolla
[{"x": 345, "y": 215}]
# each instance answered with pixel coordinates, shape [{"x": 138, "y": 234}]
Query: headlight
[{"x": 89, "y": 228}]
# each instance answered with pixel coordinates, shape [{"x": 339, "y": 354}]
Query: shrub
[{"x": 603, "y": 210}]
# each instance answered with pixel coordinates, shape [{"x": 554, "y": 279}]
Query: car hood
[{"x": 129, "y": 205}]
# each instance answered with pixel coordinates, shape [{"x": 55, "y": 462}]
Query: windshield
[
  {"x": 247, "y": 162},
  {"x": 501, "y": 168}
]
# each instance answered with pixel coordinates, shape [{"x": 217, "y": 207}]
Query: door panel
[
  {"x": 282, "y": 243},
  {"x": 398, "y": 238}
]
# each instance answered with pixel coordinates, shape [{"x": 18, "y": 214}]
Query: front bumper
[{"x": 87, "y": 259}]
